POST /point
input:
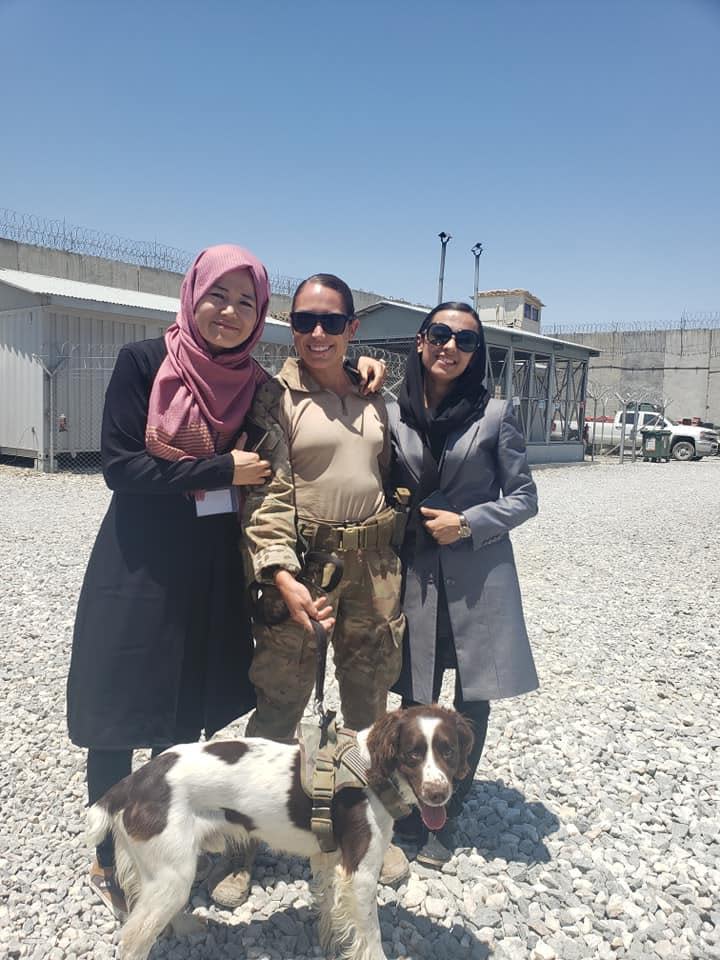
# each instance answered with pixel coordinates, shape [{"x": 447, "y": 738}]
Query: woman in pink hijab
[{"x": 162, "y": 642}]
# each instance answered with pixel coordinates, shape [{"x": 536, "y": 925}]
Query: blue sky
[{"x": 578, "y": 140}]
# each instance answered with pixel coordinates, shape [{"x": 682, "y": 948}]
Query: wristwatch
[{"x": 464, "y": 530}]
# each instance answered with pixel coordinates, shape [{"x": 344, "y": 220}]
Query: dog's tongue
[{"x": 433, "y": 817}]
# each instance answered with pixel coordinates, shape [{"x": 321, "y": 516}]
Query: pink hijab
[{"x": 199, "y": 400}]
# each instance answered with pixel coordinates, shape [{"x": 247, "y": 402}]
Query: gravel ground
[{"x": 592, "y": 831}]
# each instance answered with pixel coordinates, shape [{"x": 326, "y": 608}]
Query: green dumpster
[{"x": 655, "y": 444}]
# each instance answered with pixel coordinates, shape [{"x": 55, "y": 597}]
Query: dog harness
[{"x": 330, "y": 762}]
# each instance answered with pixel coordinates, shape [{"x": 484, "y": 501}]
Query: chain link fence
[
  {"x": 78, "y": 381},
  {"x": 606, "y": 433}
]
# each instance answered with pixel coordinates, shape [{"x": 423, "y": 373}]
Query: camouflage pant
[{"x": 367, "y": 645}]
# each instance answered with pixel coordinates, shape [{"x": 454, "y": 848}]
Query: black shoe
[
  {"x": 411, "y": 829},
  {"x": 440, "y": 847}
]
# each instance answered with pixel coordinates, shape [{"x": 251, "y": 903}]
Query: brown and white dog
[{"x": 195, "y": 796}]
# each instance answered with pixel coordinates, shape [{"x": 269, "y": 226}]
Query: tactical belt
[{"x": 382, "y": 530}]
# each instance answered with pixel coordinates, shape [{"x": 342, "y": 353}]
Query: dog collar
[{"x": 391, "y": 798}]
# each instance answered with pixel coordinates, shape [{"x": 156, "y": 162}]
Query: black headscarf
[{"x": 464, "y": 403}]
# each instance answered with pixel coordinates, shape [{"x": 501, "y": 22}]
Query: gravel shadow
[
  {"x": 499, "y": 821},
  {"x": 292, "y": 932}
]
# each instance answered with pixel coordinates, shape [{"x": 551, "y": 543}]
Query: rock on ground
[{"x": 592, "y": 829}]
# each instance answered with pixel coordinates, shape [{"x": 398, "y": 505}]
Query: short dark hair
[
  {"x": 334, "y": 283},
  {"x": 457, "y": 305}
]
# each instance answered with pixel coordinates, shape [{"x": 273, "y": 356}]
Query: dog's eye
[
  {"x": 447, "y": 751},
  {"x": 414, "y": 756}
]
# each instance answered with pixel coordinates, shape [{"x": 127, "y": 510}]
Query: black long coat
[{"x": 163, "y": 589}]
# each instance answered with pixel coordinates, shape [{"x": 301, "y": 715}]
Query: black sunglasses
[
  {"x": 440, "y": 333},
  {"x": 332, "y": 323}
]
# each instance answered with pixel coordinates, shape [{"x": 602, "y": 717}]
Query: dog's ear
[
  {"x": 466, "y": 741},
  {"x": 384, "y": 742}
]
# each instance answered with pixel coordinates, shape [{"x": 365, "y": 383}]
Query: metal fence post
[{"x": 623, "y": 426}]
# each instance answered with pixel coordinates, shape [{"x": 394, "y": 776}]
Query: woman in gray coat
[{"x": 462, "y": 456}]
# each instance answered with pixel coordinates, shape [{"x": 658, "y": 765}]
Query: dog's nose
[{"x": 436, "y": 795}]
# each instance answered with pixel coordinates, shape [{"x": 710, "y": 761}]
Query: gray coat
[{"x": 485, "y": 474}]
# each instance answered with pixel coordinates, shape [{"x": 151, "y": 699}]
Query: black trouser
[{"x": 476, "y": 711}]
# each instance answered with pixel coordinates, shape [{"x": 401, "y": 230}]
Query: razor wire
[
  {"x": 688, "y": 341},
  {"x": 71, "y": 238},
  {"x": 689, "y": 320}
]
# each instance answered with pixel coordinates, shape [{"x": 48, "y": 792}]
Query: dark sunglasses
[
  {"x": 440, "y": 333},
  {"x": 332, "y": 323}
]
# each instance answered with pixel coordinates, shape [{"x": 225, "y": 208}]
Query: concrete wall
[
  {"x": 78, "y": 266},
  {"x": 682, "y": 365},
  {"x": 540, "y": 453},
  {"x": 113, "y": 273}
]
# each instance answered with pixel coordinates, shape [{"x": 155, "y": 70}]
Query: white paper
[{"x": 216, "y": 501}]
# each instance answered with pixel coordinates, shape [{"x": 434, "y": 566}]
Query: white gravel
[{"x": 592, "y": 831}]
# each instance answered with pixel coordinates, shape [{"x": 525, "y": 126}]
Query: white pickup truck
[{"x": 686, "y": 442}]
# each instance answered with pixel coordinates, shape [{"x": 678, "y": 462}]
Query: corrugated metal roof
[
  {"x": 510, "y": 331},
  {"x": 379, "y": 304},
  {"x": 78, "y": 290}
]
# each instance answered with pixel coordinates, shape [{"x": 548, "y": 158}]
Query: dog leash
[{"x": 321, "y": 648}]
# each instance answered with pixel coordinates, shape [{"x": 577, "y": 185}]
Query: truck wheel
[{"x": 683, "y": 450}]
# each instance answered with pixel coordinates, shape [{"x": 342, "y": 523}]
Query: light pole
[
  {"x": 476, "y": 250},
  {"x": 444, "y": 239}
]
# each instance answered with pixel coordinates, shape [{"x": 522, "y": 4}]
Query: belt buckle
[{"x": 350, "y": 539}]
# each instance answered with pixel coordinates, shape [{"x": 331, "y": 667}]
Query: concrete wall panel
[{"x": 680, "y": 365}]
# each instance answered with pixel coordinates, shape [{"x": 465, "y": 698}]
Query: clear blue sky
[{"x": 579, "y": 140}]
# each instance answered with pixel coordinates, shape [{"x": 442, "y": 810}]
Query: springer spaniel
[{"x": 194, "y": 796}]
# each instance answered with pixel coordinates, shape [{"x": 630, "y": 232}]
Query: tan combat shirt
[{"x": 329, "y": 456}]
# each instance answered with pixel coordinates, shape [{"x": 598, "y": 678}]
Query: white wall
[
  {"x": 506, "y": 311},
  {"x": 21, "y": 383}
]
